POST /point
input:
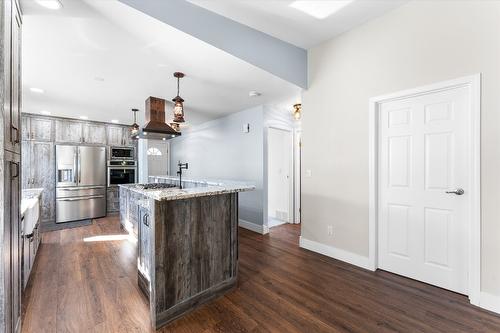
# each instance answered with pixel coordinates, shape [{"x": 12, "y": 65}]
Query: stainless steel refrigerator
[{"x": 80, "y": 183}]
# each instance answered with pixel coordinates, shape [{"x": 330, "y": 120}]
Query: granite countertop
[{"x": 203, "y": 187}]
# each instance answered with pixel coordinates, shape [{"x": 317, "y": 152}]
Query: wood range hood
[{"x": 155, "y": 127}]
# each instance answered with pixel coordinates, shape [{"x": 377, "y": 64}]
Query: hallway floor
[{"x": 85, "y": 280}]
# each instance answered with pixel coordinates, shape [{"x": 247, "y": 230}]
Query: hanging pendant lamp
[
  {"x": 178, "y": 101},
  {"x": 134, "y": 129}
]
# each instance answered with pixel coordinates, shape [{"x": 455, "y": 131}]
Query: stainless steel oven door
[{"x": 122, "y": 175}]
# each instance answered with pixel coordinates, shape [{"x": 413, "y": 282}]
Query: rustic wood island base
[{"x": 187, "y": 243}]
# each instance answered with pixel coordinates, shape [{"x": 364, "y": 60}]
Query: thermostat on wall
[{"x": 246, "y": 128}]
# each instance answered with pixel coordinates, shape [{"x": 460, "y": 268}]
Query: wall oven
[
  {"x": 122, "y": 153},
  {"x": 122, "y": 172}
]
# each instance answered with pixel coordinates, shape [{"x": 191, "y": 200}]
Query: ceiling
[
  {"x": 278, "y": 19},
  {"x": 99, "y": 59}
]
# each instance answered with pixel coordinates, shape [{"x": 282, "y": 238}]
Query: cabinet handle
[
  {"x": 16, "y": 137},
  {"x": 145, "y": 220},
  {"x": 17, "y": 169}
]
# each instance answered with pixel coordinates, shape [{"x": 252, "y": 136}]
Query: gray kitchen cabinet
[
  {"x": 115, "y": 135},
  {"x": 127, "y": 141},
  {"x": 38, "y": 129},
  {"x": 38, "y": 171},
  {"x": 144, "y": 242},
  {"x": 94, "y": 133},
  {"x": 119, "y": 136},
  {"x": 69, "y": 131},
  {"x": 113, "y": 199}
]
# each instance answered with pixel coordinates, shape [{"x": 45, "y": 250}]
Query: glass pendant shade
[
  {"x": 134, "y": 129},
  {"x": 178, "y": 109}
]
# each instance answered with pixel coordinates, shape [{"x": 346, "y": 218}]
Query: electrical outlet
[{"x": 330, "y": 230}]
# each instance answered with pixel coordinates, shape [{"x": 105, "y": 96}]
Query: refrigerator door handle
[
  {"x": 75, "y": 163},
  {"x": 79, "y": 166},
  {"x": 83, "y": 198}
]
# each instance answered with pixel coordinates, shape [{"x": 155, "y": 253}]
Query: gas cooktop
[{"x": 156, "y": 186}]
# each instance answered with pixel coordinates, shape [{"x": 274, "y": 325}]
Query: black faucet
[{"x": 181, "y": 166}]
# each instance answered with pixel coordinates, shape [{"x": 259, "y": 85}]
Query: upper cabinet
[
  {"x": 69, "y": 131},
  {"x": 11, "y": 77},
  {"x": 119, "y": 136},
  {"x": 37, "y": 129},
  {"x": 94, "y": 133}
]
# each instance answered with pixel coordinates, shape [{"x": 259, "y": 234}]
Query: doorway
[
  {"x": 424, "y": 184},
  {"x": 280, "y": 176}
]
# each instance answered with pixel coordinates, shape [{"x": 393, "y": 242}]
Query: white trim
[
  {"x": 474, "y": 82},
  {"x": 489, "y": 302},
  {"x": 333, "y": 252},
  {"x": 260, "y": 229}
]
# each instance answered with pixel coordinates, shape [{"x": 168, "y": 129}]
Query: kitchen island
[{"x": 187, "y": 241}]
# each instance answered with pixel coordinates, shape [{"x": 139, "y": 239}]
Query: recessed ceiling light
[
  {"x": 50, "y": 4},
  {"x": 115, "y": 121},
  {"x": 84, "y": 117},
  {"x": 162, "y": 65},
  {"x": 320, "y": 9},
  {"x": 37, "y": 90},
  {"x": 98, "y": 78},
  {"x": 254, "y": 93},
  {"x": 44, "y": 112}
]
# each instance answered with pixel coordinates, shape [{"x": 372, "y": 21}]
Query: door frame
[
  {"x": 292, "y": 180},
  {"x": 474, "y": 221}
]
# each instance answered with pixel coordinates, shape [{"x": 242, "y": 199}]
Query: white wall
[
  {"x": 417, "y": 44},
  {"x": 219, "y": 149}
]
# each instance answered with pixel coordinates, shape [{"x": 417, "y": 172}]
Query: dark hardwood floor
[{"x": 91, "y": 286}]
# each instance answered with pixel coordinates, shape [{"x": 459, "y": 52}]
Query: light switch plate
[
  {"x": 246, "y": 128},
  {"x": 308, "y": 173}
]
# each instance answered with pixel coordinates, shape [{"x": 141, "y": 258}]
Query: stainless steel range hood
[{"x": 155, "y": 127}]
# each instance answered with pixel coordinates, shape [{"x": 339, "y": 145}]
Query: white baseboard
[
  {"x": 489, "y": 302},
  {"x": 342, "y": 255},
  {"x": 260, "y": 229}
]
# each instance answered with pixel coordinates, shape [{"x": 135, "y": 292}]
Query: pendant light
[
  {"x": 178, "y": 106},
  {"x": 297, "y": 111},
  {"x": 134, "y": 129}
]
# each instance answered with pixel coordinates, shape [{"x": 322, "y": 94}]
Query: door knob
[{"x": 458, "y": 191}]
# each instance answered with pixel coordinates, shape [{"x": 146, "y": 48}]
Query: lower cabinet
[
  {"x": 113, "y": 199},
  {"x": 144, "y": 242},
  {"x": 30, "y": 244},
  {"x": 12, "y": 248}
]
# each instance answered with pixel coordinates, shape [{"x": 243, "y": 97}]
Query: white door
[
  {"x": 280, "y": 166},
  {"x": 423, "y": 154}
]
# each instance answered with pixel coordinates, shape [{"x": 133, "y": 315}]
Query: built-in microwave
[{"x": 122, "y": 153}]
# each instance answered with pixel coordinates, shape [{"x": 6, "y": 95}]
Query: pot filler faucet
[{"x": 181, "y": 167}]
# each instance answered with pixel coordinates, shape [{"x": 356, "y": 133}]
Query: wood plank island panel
[{"x": 196, "y": 253}]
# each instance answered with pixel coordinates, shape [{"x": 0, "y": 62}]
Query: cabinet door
[
  {"x": 27, "y": 167},
  {"x": 11, "y": 242},
  {"x": 43, "y": 165},
  {"x": 94, "y": 133},
  {"x": 115, "y": 135},
  {"x": 144, "y": 248},
  {"x": 41, "y": 129},
  {"x": 127, "y": 141},
  {"x": 25, "y": 128},
  {"x": 16, "y": 78},
  {"x": 68, "y": 131},
  {"x": 113, "y": 199}
]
